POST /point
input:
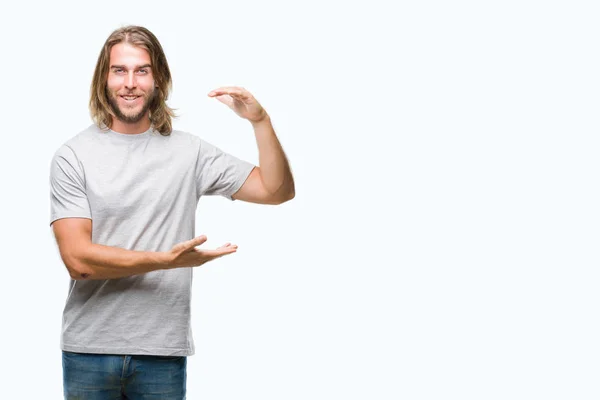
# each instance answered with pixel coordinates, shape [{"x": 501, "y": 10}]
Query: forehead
[{"x": 128, "y": 55}]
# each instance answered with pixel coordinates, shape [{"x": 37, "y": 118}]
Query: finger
[
  {"x": 197, "y": 241},
  {"x": 225, "y": 245},
  {"x": 238, "y": 96},
  {"x": 228, "y": 247},
  {"x": 228, "y": 89},
  {"x": 227, "y": 100},
  {"x": 232, "y": 91},
  {"x": 188, "y": 245},
  {"x": 221, "y": 251}
]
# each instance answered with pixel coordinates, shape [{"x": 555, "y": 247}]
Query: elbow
[
  {"x": 80, "y": 276},
  {"x": 288, "y": 192},
  {"x": 77, "y": 270},
  {"x": 289, "y": 195},
  {"x": 274, "y": 196}
]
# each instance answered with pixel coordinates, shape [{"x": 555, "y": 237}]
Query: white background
[{"x": 443, "y": 242}]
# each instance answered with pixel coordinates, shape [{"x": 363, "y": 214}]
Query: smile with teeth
[{"x": 129, "y": 98}]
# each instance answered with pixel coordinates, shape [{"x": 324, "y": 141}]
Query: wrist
[
  {"x": 162, "y": 259},
  {"x": 266, "y": 119}
]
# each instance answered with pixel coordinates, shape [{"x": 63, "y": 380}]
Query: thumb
[{"x": 197, "y": 241}]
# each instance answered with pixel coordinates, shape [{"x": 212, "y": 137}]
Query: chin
[{"x": 126, "y": 114}]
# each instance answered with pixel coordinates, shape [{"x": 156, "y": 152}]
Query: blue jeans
[{"x": 107, "y": 376}]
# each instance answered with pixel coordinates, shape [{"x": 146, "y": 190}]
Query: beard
[{"x": 130, "y": 116}]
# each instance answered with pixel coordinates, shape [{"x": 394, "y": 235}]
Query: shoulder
[
  {"x": 82, "y": 140},
  {"x": 189, "y": 140},
  {"x": 184, "y": 136}
]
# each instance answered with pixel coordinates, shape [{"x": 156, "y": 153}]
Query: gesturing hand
[
  {"x": 185, "y": 254},
  {"x": 241, "y": 102}
]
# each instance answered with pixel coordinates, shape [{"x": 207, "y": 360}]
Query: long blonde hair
[{"x": 160, "y": 112}]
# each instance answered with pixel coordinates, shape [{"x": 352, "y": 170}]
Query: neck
[{"x": 132, "y": 128}]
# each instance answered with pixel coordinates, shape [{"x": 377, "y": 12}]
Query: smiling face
[{"x": 130, "y": 88}]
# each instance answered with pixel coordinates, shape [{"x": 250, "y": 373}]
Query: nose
[{"x": 130, "y": 82}]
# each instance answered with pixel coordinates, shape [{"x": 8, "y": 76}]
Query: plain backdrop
[{"x": 443, "y": 242}]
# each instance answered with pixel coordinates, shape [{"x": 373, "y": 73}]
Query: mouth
[{"x": 130, "y": 98}]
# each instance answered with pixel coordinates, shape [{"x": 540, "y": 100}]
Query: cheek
[
  {"x": 146, "y": 85},
  {"x": 113, "y": 84}
]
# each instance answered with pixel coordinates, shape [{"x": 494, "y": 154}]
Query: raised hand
[
  {"x": 241, "y": 102},
  {"x": 185, "y": 254}
]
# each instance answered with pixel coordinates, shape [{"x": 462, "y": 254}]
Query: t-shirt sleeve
[
  {"x": 219, "y": 173},
  {"x": 68, "y": 197}
]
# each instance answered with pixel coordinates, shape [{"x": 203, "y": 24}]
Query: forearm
[
  {"x": 274, "y": 167},
  {"x": 95, "y": 261}
]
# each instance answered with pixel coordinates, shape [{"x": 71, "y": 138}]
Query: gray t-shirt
[{"x": 141, "y": 192}]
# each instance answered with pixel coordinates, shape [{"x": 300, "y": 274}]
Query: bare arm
[
  {"x": 272, "y": 181},
  {"x": 87, "y": 260}
]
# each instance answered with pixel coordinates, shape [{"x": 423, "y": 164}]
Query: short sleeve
[
  {"x": 219, "y": 173},
  {"x": 67, "y": 187}
]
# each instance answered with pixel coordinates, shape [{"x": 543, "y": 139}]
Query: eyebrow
[{"x": 138, "y": 67}]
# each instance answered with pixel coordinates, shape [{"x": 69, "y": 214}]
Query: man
[{"x": 124, "y": 194}]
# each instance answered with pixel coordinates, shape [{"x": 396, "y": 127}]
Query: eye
[
  {"x": 143, "y": 71},
  {"x": 118, "y": 70}
]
